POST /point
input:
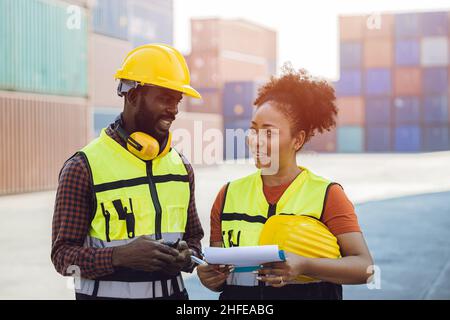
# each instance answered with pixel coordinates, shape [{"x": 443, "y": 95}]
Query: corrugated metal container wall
[
  {"x": 407, "y": 110},
  {"x": 434, "y": 23},
  {"x": 407, "y": 81},
  {"x": 350, "y": 54},
  {"x": 436, "y": 138},
  {"x": 102, "y": 117},
  {"x": 434, "y": 51},
  {"x": 150, "y": 21},
  {"x": 204, "y": 70},
  {"x": 407, "y": 52},
  {"x": 379, "y": 26},
  {"x": 435, "y": 109},
  {"x": 43, "y": 51},
  {"x": 107, "y": 55},
  {"x": 407, "y": 25},
  {"x": 199, "y": 137},
  {"x": 378, "y": 110},
  {"x": 322, "y": 142},
  {"x": 351, "y": 110},
  {"x": 110, "y": 18},
  {"x": 211, "y": 101},
  {"x": 349, "y": 83},
  {"x": 238, "y": 98},
  {"x": 378, "y": 138},
  {"x": 378, "y": 81},
  {"x": 435, "y": 80},
  {"x": 235, "y": 146},
  {"x": 351, "y": 27},
  {"x": 378, "y": 53},
  {"x": 350, "y": 139},
  {"x": 407, "y": 138},
  {"x": 39, "y": 133}
]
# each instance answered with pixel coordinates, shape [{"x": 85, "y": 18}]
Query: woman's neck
[{"x": 284, "y": 175}]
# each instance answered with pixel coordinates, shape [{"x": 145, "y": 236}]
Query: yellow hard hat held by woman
[{"x": 284, "y": 203}]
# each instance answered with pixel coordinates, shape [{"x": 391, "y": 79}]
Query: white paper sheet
[{"x": 242, "y": 256}]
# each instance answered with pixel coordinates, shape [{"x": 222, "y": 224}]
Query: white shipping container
[{"x": 434, "y": 51}]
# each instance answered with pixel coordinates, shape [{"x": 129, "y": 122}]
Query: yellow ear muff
[
  {"x": 150, "y": 146},
  {"x": 166, "y": 147}
]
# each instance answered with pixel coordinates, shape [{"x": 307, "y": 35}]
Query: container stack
[
  {"x": 393, "y": 88},
  {"x": 43, "y": 91}
]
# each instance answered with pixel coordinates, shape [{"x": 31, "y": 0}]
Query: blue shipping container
[
  {"x": 435, "y": 109},
  {"x": 238, "y": 98},
  {"x": 407, "y": 138},
  {"x": 350, "y": 54},
  {"x": 103, "y": 117},
  {"x": 349, "y": 83},
  {"x": 407, "y": 52},
  {"x": 110, "y": 18},
  {"x": 378, "y": 81},
  {"x": 435, "y": 80},
  {"x": 350, "y": 139},
  {"x": 436, "y": 138},
  {"x": 407, "y": 25},
  {"x": 407, "y": 110},
  {"x": 378, "y": 110},
  {"x": 235, "y": 132},
  {"x": 434, "y": 23},
  {"x": 378, "y": 138}
]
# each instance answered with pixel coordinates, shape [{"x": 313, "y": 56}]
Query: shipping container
[
  {"x": 407, "y": 25},
  {"x": 150, "y": 21},
  {"x": 407, "y": 138},
  {"x": 43, "y": 49},
  {"x": 349, "y": 83},
  {"x": 104, "y": 64},
  {"x": 378, "y": 53},
  {"x": 434, "y": 51},
  {"x": 235, "y": 132},
  {"x": 436, "y": 138},
  {"x": 407, "y": 52},
  {"x": 351, "y": 111},
  {"x": 378, "y": 81},
  {"x": 110, "y": 18},
  {"x": 407, "y": 81},
  {"x": 378, "y": 138},
  {"x": 379, "y": 26},
  {"x": 322, "y": 142},
  {"x": 434, "y": 23},
  {"x": 435, "y": 109},
  {"x": 102, "y": 117},
  {"x": 351, "y": 27},
  {"x": 211, "y": 101},
  {"x": 236, "y": 35},
  {"x": 350, "y": 139},
  {"x": 407, "y": 110},
  {"x": 238, "y": 98},
  {"x": 378, "y": 110},
  {"x": 350, "y": 54},
  {"x": 435, "y": 80},
  {"x": 39, "y": 133}
]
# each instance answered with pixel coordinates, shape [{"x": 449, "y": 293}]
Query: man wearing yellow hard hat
[{"x": 125, "y": 222}]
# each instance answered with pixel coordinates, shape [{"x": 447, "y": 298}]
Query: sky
[{"x": 307, "y": 30}]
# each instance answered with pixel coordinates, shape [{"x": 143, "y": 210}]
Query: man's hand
[
  {"x": 145, "y": 254},
  {"x": 182, "y": 261}
]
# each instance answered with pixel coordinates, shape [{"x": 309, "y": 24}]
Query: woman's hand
[
  {"x": 213, "y": 276},
  {"x": 279, "y": 274}
]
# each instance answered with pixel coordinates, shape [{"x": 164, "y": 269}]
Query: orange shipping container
[
  {"x": 38, "y": 134},
  {"x": 378, "y": 53},
  {"x": 322, "y": 142},
  {"x": 379, "y": 26},
  {"x": 407, "y": 81},
  {"x": 351, "y": 27},
  {"x": 351, "y": 111}
]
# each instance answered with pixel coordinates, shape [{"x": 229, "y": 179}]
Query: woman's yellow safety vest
[{"x": 134, "y": 198}]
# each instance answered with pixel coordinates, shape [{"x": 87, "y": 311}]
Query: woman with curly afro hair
[{"x": 290, "y": 109}]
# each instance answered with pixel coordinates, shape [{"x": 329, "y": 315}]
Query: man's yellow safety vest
[{"x": 134, "y": 198}]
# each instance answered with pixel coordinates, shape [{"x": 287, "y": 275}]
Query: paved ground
[{"x": 408, "y": 236}]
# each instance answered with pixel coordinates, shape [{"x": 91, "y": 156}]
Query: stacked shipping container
[{"x": 393, "y": 87}]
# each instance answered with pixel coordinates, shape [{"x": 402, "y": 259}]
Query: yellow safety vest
[
  {"x": 245, "y": 210},
  {"x": 134, "y": 198}
]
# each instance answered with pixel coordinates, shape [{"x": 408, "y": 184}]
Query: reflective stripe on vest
[
  {"x": 134, "y": 197},
  {"x": 246, "y": 210}
]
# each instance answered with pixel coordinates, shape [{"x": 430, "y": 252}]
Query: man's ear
[{"x": 131, "y": 96}]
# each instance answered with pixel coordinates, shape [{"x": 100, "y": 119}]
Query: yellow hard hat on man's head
[{"x": 159, "y": 65}]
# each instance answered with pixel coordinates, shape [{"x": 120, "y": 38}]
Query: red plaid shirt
[{"x": 74, "y": 206}]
